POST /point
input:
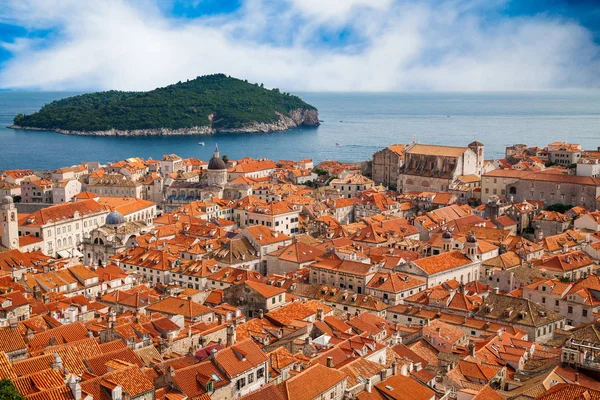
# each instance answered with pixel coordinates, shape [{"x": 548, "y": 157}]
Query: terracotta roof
[
  {"x": 265, "y": 291},
  {"x": 312, "y": 382},
  {"x": 263, "y": 235},
  {"x": 436, "y": 150},
  {"x": 346, "y": 266},
  {"x": 565, "y": 261},
  {"x": 565, "y": 391},
  {"x": 59, "y": 335},
  {"x": 174, "y": 306},
  {"x": 442, "y": 262},
  {"x": 62, "y": 212},
  {"x": 393, "y": 282},
  {"x": 98, "y": 365},
  {"x": 240, "y": 357},
  {"x": 11, "y": 340},
  {"x": 400, "y": 387},
  {"x": 298, "y": 252}
]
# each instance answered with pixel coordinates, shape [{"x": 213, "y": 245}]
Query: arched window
[
  {"x": 425, "y": 184},
  {"x": 409, "y": 181}
]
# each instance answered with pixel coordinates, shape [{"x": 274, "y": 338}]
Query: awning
[
  {"x": 69, "y": 253},
  {"x": 64, "y": 254}
]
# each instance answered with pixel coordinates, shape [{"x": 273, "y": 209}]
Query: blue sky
[{"x": 301, "y": 44}]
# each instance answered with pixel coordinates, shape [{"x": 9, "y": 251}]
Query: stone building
[
  {"x": 213, "y": 184},
  {"x": 352, "y": 185},
  {"x": 115, "y": 185},
  {"x": 434, "y": 168},
  {"x": 255, "y": 299},
  {"x": 331, "y": 270},
  {"x": 539, "y": 322},
  {"x": 494, "y": 183},
  {"x": 106, "y": 241},
  {"x": 563, "y": 153},
  {"x": 387, "y": 163},
  {"x": 556, "y": 189},
  {"x": 452, "y": 264},
  {"x": 62, "y": 227}
]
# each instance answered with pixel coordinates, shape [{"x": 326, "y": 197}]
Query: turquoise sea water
[{"x": 360, "y": 123}]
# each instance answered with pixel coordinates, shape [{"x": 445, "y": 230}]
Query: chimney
[
  {"x": 496, "y": 290},
  {"x": 261, "y": 313},
  {"x": 116, "y": 393},
  {"x": 112, "y": 318},
  {"x": 319, "y": 314},
  {"x": 383, "y": 374},
  {"x": 37, "y": 293},
  {"x": 577, "y": 377},
  {"x": 74, "y": 386},
  {"x": 348, "y": 316},
  {"x": 369, "y": 385},
  {"x": 394, "y": 368},
  {"x": 57, "y": 364},
  {"x": 230, "y": 335},
  {"x": 472, "y": 350},
  {"x": 330, "y": 362},
  {"x": 219, "y": 318}
]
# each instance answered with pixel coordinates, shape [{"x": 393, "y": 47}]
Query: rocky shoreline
[{"x": 297, "y": 117}]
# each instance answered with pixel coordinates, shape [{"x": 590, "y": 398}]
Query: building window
[
  {"x": 584, "y": 313},
  {"x": 241, "y": 383},
  {"x": 570, "y": 310},
  {"x": 250, "y": 378},
  {"x": 260, "y": 373}
]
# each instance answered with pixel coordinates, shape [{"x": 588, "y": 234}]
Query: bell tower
[{"x": 10, "y": 224}]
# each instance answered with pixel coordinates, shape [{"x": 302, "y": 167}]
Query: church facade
[{"x": 433, "y": 168}]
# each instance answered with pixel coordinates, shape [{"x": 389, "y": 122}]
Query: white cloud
[{"x": 442, "y": 45}]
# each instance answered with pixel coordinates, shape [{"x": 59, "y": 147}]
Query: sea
[{"x": 354, "y": 126}]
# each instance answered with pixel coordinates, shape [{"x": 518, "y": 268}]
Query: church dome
[
  {"x": 7, "y": 200},
  {"x": 115, "y": 218},
  {"x": 447, "y": 235},
  {"x": 216, "y": 162},
  {"x": 471, "y": 238}
]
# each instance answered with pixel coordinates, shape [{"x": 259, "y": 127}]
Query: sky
[{"x": 302, "y": 45}]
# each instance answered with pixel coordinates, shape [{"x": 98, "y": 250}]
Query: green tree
[
  {"x": 232, "y": 102},
  {"x": 225, "y": 158},
  {"x": 8, "y": 391}
]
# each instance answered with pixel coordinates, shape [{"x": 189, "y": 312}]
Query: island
[{"x": 205, "y": 105}]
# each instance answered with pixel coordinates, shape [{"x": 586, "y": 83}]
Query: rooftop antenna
[{"x": 414, "y": 138}]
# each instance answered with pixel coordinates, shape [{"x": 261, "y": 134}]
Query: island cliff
[{"x": 205, "y": 105}]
